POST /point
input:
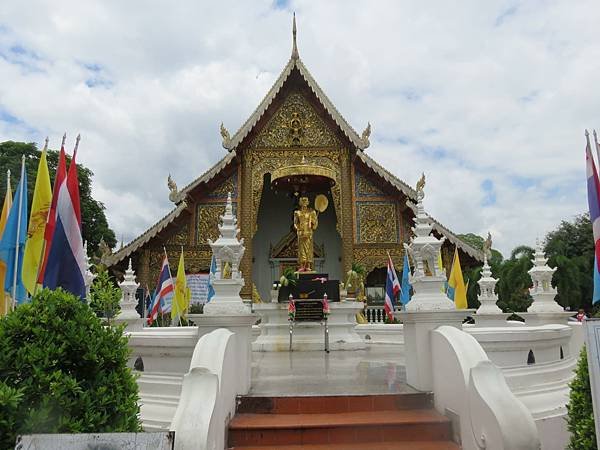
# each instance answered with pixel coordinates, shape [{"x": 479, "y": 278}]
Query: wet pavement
[{"x": 377, "y": 370}]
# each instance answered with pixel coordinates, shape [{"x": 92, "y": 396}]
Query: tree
[
  {"x": 580, "y": 421},
  {"x": 570, "y": 248},
  {"x": 477, "y": 241},
  {"x": 63, "y": 371},
  {"x": 105, "y": 295},
  {"x": 514, "y": 281},
  {"x": 94, "y": 223}
]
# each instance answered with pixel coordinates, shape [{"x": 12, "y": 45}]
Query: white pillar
[{"x": 429, "y": 306}]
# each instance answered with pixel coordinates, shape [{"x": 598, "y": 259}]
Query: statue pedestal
[
  {"x": 227, "y": 300},
  {"x": 275, "y": 336},
  {"x": 429, "y": 295}
]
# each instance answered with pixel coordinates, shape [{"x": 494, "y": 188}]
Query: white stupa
[
  {"x": 227, "y": 250},
  {"x": 424, "y": 249}
]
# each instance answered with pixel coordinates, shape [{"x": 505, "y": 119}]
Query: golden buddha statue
[{"x": 305, "y": 223}]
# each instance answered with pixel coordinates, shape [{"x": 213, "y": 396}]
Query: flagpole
[
  {"x": 37, "y": 272},
  {"x": 14, "y": 287},
  {"x": 597, "y": 146},
  {"x": 176, "y": 287}
]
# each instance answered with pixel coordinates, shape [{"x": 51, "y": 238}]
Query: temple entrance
[{"x": 274, "y": 246}]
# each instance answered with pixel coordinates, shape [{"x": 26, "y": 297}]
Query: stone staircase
[
  {"x": 398, "y": 421},
  {"x": 159, "y": 397}
]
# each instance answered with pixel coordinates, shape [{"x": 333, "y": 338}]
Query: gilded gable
[
  {"x": 364, "y": 187},
  {"x": 227, "y": 186},
  {"x": 295, "y": 124}
]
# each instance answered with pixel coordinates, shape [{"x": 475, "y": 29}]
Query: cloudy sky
[{"x": 489, "y": 99}]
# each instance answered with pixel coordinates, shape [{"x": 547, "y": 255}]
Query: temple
[{"x": 295, "y": 125}]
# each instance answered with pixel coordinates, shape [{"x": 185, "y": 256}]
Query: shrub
[
  {"x": 105, "y": 296},
  {"x": 580, "y": 421},
  {"x": 63, "y": 371}
]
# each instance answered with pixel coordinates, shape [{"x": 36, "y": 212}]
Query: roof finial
[{"x": 295, "y": 47}]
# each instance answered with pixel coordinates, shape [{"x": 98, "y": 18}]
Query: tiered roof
[{"x": 232, "y": 144}]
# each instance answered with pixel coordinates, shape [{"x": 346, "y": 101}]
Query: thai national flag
[
  {"x": 61, "y": 175},
  {"x": 164, "y": 290},
  {"x": 392, "y": 287},
  {"x": 65, "y": 265},
  {"x": 593, "y": 186}
]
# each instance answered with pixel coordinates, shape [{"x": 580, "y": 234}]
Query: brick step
[
  {"x": 398, "y": 445},
  {"x": 338, "y": 428},
  {"x": 333, "y": 404}
]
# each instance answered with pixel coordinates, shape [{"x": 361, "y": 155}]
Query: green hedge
[
  {"x": 580, "y": 421},
  {"x": 63, "y": 371}
]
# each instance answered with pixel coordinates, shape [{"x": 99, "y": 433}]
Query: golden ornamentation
[
  {"x": 197, "y": 259},
  {"x": 302, "y": 169},
  {"x": 208, "y": 216},
  {"x": 376, "y": 257},
  {"x": 181, "y": 236},
  {"x": 377, "y": 223},
  {"x": 305, "y": 223},
  {"x": 287, "y": 248},
  {"x": 263, "y": 161},
  {"x": 225, "y": 187},
  {"x": 365, "y": 188},
  {"x": 295, "y": 124},
  {"x": 321, "y": 203}
]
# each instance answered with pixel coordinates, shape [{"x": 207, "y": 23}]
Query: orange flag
[{"x": 3, "y": 218}]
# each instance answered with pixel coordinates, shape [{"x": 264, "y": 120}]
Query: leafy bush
[
  {"x": 105, "y": 296},
  {"x": 10, "y": 400},
  {"x": 580, "y": 421},
  {"x": 62, "y": 370}
]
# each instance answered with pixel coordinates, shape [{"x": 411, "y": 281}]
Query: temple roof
[
  {"x": 232, "y": 143},
  {"x": 361, "y": 142}
]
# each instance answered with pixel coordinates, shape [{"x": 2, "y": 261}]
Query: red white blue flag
[
  {"x": 164, "y": 291},
  {"x": 593, "y": 186},
  {"x": 392, "y": 288},
  {"x": 61, "y": 175},
  {"x": 65, "y": 265}
]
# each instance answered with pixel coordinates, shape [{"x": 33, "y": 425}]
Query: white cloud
[{"x": 496, "y": 90}]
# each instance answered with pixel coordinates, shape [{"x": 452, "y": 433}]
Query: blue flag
[
  {"x": 213, "y": 269},
  {"x": 405, "y": 293},
  {"x": 12, "y": 245}
]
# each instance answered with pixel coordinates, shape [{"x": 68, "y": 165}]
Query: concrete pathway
[{"x": 377, "y": 370}]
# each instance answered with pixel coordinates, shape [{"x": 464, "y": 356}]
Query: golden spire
[{"x": 294, "y": 47}]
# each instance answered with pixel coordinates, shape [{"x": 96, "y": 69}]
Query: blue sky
[{"x": 489, "y": 99}]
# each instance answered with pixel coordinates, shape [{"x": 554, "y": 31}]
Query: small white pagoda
[
  {"x": 227, "y": 251},
  {"x": 128, "y": 301},
  {"x": 488, "y": 314},
  {"x": 424, "y": 249},
  {"x": 544, "y": 309}
]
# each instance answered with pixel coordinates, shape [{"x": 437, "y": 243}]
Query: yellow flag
[
  {"x": 42, "y": 197},
  {"x": 181, "y": 297},
  {"x": 441, "y": 267},
  {"x": 3, "y": 218},
  {"x": 456, "y": 284}
]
